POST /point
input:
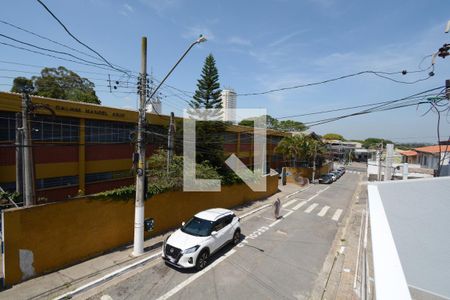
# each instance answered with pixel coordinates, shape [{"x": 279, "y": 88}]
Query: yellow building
[{"x": 88, "y": 148}]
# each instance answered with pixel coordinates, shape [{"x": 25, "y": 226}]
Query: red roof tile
[
  {"x": 432, "y": 149},
  {"x": 408, "y": 153}
]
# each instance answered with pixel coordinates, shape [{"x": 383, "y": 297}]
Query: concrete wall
[
  {"x": 297, "y": 173},
  {"x": 48, "y": 237}
]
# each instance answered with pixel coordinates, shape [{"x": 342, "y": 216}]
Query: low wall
[
  {"x": 297, "y": 173},
  {"x": 48, "y": 237}
]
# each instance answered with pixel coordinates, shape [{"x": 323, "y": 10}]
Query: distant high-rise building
[
  {"x": 228, "y": 97},
  {"x": 154, "y": 106}
]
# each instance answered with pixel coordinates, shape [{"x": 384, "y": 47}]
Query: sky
[{"x": 258, "y": 46}]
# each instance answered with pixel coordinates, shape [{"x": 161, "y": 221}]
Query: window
[
  {"x": 7, "y": 126},
  {"x": 274, "y": 139},
  {"x": 56, "y": 182},
  {"x": 246, "y": 138},
  {"x": 54, "y": 129},
  {"x": 230, "y": 138},
  {"x": 94, "y": 177},
  {"x": 228, "y": 219},
  {"x": 98, "y": 131}
]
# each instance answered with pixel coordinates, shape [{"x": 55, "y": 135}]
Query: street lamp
[
  {"x": 201, "y": 39},
  {"x": 138, "y": 246}
]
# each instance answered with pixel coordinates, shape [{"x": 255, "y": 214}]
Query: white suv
[{"x": 192, "y": 244}]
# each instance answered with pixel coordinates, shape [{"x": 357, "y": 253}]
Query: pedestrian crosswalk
[
  {"x": 354, "y": 172},
  {"x": 321, "y": 211}
]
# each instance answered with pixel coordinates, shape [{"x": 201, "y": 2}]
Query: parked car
[
  {"x": 333, "y": 176},
  {"x": 326, "y": 179},
  {"x": 336, "y": 173},
  {"x": 207, "y": 232},
  {"x": 342, "y": 170}
]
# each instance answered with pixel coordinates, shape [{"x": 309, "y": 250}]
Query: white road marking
[
  {"x": 275, "y": 223},
  {"x": 107, "y": 276},
  {"x": 337, "y": 215},
  {"x": 299, "y": 205},
  {"x": 188, "y": 281},
  {"x": 311, "y": 208},
  {"x": 290, "y": 202},
  {"x": 106, "y": 297},
  {"x": 287, "y": 214},
  {"x": 317, "y": 194},
  {"x": 323, "y": 211},
  {"x": 301, "y": 190},
  {"x": 255, "y": 210}
]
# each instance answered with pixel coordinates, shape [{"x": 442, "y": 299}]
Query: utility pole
[
  {"x": 379, "y": 154},
  {"x": 19, "y": 155},
  {"x": 138, "y": 247},
  {"x": 29, "y": 198},
  {"x": 388, "y": 162},
  {"x": 170, "y": 141},
  {"x": 314, "y": 163}
]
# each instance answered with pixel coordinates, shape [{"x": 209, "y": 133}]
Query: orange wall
[{"x": 63, "y": 233}]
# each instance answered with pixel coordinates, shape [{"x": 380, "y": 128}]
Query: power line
[
  {"x": 41, "y": 67},
  {"x": 76, "y": 39},
  {"x": 374, "y": 109},
  {"x": 53, "y": 56},
  {"x": 376, "y": 73},
  {"x": 48, "y": 39},
  {"x": 335, "y": 110},
  {"x": 51, "y": 50}
]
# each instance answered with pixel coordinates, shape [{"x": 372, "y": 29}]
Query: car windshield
[
  {"x": 325, "y": 176},
  {"x": 197, "y": 227}
]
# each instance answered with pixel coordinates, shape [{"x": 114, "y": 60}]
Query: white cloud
[
  {"x": 193, "y": 32},
  {"x": 128, "y": 7},
  {"x": 239, "y": 41},
  {"x": 162, "y": 6},
  {"x": 285, "y": 38}
]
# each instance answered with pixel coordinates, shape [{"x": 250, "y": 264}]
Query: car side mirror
[
  {"x": 213, "y": 233},
  {"x": 182, "y": 223}
]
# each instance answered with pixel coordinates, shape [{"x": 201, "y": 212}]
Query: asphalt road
[{"x": 275, "y": 260}]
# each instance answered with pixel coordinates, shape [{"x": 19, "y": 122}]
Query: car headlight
[{"x": 191, "y": 250}]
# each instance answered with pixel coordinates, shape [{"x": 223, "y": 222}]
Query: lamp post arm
[{"x": 171, "y": 70}]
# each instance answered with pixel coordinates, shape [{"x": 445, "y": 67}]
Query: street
[{"x": 276, "y": 259}]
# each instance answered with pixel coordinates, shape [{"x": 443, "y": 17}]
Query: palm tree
[{"x": 300, "y": 148}]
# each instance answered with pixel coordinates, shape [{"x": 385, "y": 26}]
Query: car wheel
[
  {"x": 236, "y": 237},
  {"x": 202, "y": 260}
]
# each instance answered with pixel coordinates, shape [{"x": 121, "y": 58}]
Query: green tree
[
  {"x": 19, "y": 83},
  {"x": 301, "y": 149},
  {"x": 291, "y": 125},
  {"x": 371, "y": 143},
  {"x": 209, "y": 133},
  {"x": 271, "y": 122},
  {"x": 333, "y": 136},
  {"x": 207, "y": 95},
  {"x": 60, "y": 83}
]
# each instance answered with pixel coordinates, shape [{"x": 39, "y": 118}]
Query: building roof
[
  {"x": 430, "y": 149},
  {"x": 409, "y": 219},
  {"x": 408, "y": 153}
]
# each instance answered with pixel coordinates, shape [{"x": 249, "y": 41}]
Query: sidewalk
[
  {"x": 66, "y": 280},
  {"x": 347, "y": 271}
]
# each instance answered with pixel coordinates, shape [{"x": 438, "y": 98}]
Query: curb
[{"x": 152, "y": 257}]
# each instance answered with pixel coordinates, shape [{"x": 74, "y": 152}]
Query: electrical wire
[
  {"x": 76, "y": 39},
  {"x": 52, "y": 50},
  {"x": 48, "y": 39},
  {"x": 376, "y": 73}
]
